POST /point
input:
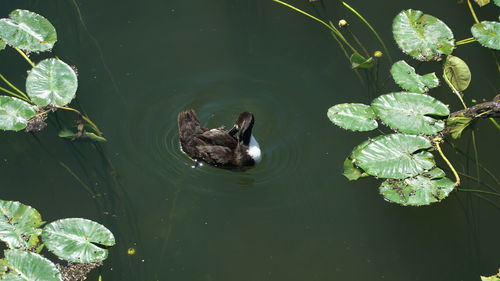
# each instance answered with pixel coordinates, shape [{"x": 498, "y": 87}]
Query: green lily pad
[
  {"x": 28, "y": 266},
  {"x": 425, "y": 189},
  {"x": 495, "y": 277},
  {"x": 78, "y": 240},
  {"x": 457, "y": 124},
  {"x": 395, "y": 156},
  {"x": 28, "y": 31},
  {"x": 52, "y": 82},
  {"x": 405, "y": 76},
  {"x": 19, "y": 225},
  {"x": 411, "y": 113},
  {"x": 358, "y": 61},
  {"x": 422, "y": 36},
  {"x": 15, "y": 113},
  {"x": 351, "y": 171},
  {"x": 497, "y": 2},
  {"x": 353, "y": 116},
  {"x": 2, "y": 45},
  {"x": 487, "y": 33},
  {"x": 456, "y": 73}
]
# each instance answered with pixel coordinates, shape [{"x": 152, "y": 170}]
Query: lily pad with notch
[
  {"x": 353, "y": 116},
  {"x": 411, "y": 113},
  {"x": 78, "y": 240},
  {"x": 422, "y": 36},
  {"x": 28, "y": 266},
  {"x": 15, "y": 113},
  {"x": 405, "y": 76},
  {"x": 28, "y": 31},
  {"x": 395, "y": 156},
  {"x": 487, "y": 33},
  {"x": 19, "y": 225}
]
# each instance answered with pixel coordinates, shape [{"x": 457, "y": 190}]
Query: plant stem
[
  {"x": 455, "y": 91},
  {"x": 25, "y": 57},
  {"x": 358, "y": 42},
  {"x": 371, "y": 28},
  {"x": 476, "y": 154},
  {"x": 329, "y": 26},
  {"x": 480, "y": 191},
  {"x": 495, "y": 123},
  {"x": 438, "y": 147},
  {"x": 85, "y": 118},
  {"x": 13, "y": 87},
  {"x": 14, "y": 94},
  {"x": 472, "y": 11},
  {"x": 465, "y": 41}
]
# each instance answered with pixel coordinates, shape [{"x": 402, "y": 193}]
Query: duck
[{"x": 234, "y": 148}]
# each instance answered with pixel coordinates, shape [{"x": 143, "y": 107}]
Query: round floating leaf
[
  {"x": 28, "y": 31},
  {"x": 19, "y": 225},
  {"x": 487, "y": 33},
  {"x": 456, "y": 73},
  {"x": 52, "y": 82},
  {"x": 14, "y": 113},
  {"x": 497, "y": 2},
  {"x": 358, "y": 61},
  {"x": 353, "y": 116},
  {"x": 411, "y": 113},
  {"x": 2, "y": 45},
  {"x": 351, "y": 171},
  {"x": 77, "y": 240},
  {"x": 395, "y": 156},
  {"x": 28, "y": 266},
  {"x": 404, "y": 75},
  {"x": 425, "y": 189},
  {"x": 422, "y": 36}
]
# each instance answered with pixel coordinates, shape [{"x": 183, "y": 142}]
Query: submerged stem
[
  {"x": 438, "y": 147},
  {"x": 465, "y": 41},
  {"x": 371, "y": 28},
  {"x": 25, "y": 57},
  {"x": 479, "y": 190}
]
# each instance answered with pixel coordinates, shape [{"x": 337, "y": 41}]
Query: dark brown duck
[{"x": 219, "y": 147}]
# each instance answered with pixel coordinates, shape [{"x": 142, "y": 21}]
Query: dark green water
[{"x": 293, "y": 217}]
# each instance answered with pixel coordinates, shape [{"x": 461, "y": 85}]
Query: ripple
[{"x": 218, "y": 99}]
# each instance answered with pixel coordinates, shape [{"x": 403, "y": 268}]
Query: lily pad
[
  {"x": 351, "y": 171},
  {"x": 405, "y": 76},
  {"x": 78, "y": 240},
  {"x": 422, "y": 36},
  {"x": 15, "y": 113},
  {"x": 19, "y": 225},
  {"x": 482, "y": 2},
  {"x": 457, "y": 124},
  {"x": 425, "y": 189},
  {"x": 2, "y": 45},
  {"x": 411, "y": 113},
  {"x": 395, "y": 156},
  {"x": 487, "y": 33},
  {"x": 51, "y": 82},
  {"x": 353, "y": 116},
  {"x": 28, "y": 266},
  {"x": 497, "y": 2},
  {"x": 358, "y": 61},
  {"x": 456, "y": 73},
  {"x": 28, "y": 31}
]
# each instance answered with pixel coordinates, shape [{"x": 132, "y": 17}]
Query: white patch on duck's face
[{"x": 254, "y": 150}]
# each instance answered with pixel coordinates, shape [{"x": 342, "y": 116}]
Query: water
[{"x": 293, "y": 217}]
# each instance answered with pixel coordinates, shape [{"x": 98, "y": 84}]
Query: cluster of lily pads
[
  {"x": 74, "y": 239},
  {"x": 404, "y": 159},
  {"x": 51, "y": 84}
]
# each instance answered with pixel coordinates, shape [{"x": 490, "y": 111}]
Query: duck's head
[{"x": 244, "y": 125}]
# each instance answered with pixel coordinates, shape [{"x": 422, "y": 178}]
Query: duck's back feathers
[{"x": 217, "y": 147}]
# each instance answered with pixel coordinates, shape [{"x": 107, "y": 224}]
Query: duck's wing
[
  {"x": 216, "y": 154},
  {"x": 189, "y": 126},
  {"x": 218, "y": 138}
]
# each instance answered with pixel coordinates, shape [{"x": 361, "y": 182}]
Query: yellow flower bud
[
  {"x": 343, "y": 23},
  {"x": 378, "y": 54}
]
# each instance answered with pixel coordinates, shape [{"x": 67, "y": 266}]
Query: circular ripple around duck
[{"x": 218, "y": 100}]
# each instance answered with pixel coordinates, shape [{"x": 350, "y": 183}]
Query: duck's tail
[{"x": 188, "y": 125}]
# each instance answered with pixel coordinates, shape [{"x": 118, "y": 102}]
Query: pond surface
[{"x": 294, "y": 216}]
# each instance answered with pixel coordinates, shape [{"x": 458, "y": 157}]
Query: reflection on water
[{"x": 293, "y": 216}]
